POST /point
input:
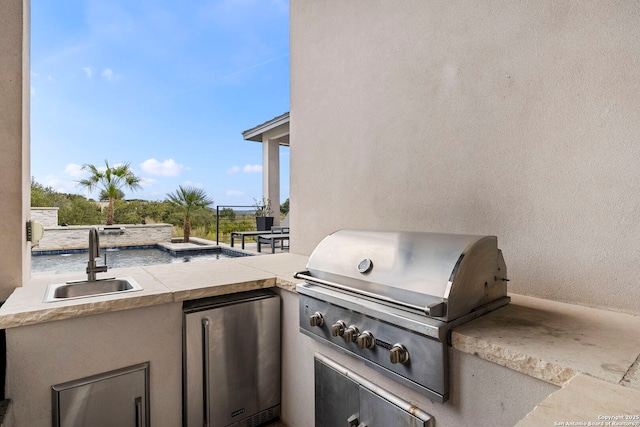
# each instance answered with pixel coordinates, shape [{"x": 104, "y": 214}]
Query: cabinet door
[
  {"x": 376, "y": 411},
  {"x": 336, "y": 397},
  {"x": 344, "y": 398},
  {"x": 116, "y": 398}
]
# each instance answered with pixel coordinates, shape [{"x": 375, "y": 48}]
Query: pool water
[{"x": 116, "y": 258}]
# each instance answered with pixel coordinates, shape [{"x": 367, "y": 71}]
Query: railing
[{"x": 229, "y": 219}]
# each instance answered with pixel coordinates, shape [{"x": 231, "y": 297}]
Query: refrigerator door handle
[
  {"x": 205, "y": 371},
  {"x": 139, "y": 412}
]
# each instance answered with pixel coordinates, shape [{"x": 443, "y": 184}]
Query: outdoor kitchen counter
[
  {"x": 162, "y": 284},
  {"x": 585, "y": 400},
  {"x": 551, "y": 341},
  {"x": 547, "y": 340},
  {"x": 554, "y": 341},
  {"x": 594, "y": 355}
]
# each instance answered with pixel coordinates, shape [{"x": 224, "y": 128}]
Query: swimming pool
[{"x": 118, "y": 258}]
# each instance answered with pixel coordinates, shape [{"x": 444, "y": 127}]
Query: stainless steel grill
[{"x": 391, "y": 298}]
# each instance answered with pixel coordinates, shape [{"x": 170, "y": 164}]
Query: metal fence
[{"x": 234, "y": 218}]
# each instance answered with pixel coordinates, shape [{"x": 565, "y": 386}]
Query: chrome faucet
[{"x": 94, "y": 252}]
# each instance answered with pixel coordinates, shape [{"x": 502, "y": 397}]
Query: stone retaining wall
[
  {"x": 77, "y": 236},
  {"x": 48, "y": 217}
]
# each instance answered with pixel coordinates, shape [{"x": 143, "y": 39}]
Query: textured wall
[
  {"x": 77, "y": 237},
  {"x": 84, "y": 346},
  {"x": 518, "y": 119},
  {"x": 48, "y": 217}
]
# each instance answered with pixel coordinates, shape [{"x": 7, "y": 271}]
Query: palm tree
[
  {"x": 189, "y": 199},
  {"x": 104, "y": 196},
  {"x": 110, "y": 181}
]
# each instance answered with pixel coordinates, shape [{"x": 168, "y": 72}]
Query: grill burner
[{"x": 392, "y": 298}]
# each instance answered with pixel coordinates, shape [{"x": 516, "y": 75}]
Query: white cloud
[
  {"x": 167, "y": 168},
  {"x": 148, "y": 182},
  {"x": 107, "y": 74},
  {"x": 88, "y": 71},
  {"x": 33, "y": 91},
  {"x": 74, "y": 170},
  {"x": 252, "y": 168},
  {"x": 246, "y": 169},
  {"x": 234, "y": 193},
  {"x": 61, "y": 185},
  {"x": 111, "y": 76}
]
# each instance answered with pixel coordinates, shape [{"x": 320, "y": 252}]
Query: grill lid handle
[{"x": 437, "y": 309}]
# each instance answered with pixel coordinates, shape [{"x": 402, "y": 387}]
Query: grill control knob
[
  {"x": 365, "y": 340},
  {"x": 337, "y": 329},
  {"x": 398, "y": 354},
  {"x": 316, "y": 319},
  {"x": 351, "y": 333}
]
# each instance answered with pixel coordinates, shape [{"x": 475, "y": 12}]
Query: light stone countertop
[
  {"x": 26, "y": 306},
  {"x": 555, "y": 342},
  {"x": 162, "y": 284},
  {"x": 593, "y": 354},
  {"x": 587, "y": 401}
]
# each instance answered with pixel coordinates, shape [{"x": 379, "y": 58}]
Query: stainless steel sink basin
[{"x": 84, "y": 289}]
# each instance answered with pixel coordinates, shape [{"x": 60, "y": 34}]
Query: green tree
[
  {"x": 111, "y": 180},
  {"x": 189, "y": 199},
  {"x": 104, "y": 196},
  {"x": 284, "y": 208},
  {"x": 73, "y": 209},
  {"x": 204, "y": 218},
  {"x": 128, "y": 212},
  {"x": 77, "y": 210},
  {"x": 41, "y": 196},
  {"x": 228, "y": 214}
]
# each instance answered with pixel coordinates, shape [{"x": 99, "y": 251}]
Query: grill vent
[{"x": 263, "y": 417}]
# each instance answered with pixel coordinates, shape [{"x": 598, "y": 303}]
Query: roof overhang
[{"x": 274, "y": 129}]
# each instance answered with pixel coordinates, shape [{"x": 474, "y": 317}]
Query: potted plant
[{"x": 264, "y": 218}]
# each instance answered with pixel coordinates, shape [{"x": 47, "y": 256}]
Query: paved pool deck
[{"x": 198, "y": 244}]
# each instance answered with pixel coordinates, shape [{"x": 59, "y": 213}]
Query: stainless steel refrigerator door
[{"x": 232, "y": 361}]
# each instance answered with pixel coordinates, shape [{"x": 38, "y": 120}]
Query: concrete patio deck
[{"x": 196, "y": 244}]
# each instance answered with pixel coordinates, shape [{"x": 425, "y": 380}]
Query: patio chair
[{"x": 283, "y": 227}]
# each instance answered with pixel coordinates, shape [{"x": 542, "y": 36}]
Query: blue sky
[{"x": 165, "y": 86}]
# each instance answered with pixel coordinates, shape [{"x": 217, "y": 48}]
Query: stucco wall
[
  {"x": 517, "y": 119},
  {"x": 14, "y": 144},
  {"x": 77, "y": 236},
  {"x": 84, "y": 346}
]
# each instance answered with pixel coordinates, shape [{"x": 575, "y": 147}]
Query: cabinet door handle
[
  {"x": 139, "y": 412},
  {"x": 352, "y": 421},
  {"x": 205, "y": 371}
]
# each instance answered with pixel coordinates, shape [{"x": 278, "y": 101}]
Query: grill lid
[{"x": 441, "y": 275}]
